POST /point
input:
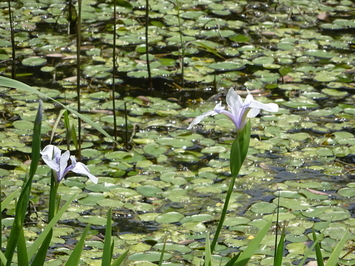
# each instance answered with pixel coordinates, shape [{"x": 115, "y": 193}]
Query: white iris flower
[
  {"x": 239, "y": 111},
  {"x": 58, "y": 162}
]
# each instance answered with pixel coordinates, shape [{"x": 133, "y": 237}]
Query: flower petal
[
  {"x": 63, "y": 163},
  {"x": 81, "y": 168},
  {"x": 249, "y": 98},
  {"x": 269, "y": 107},
  {"x": 253, "y": 112},
  {"x": 51, "y": 151},
  {"x": 234, "y": 102},
  {"x": 50, "y": 155},
  {"x": 199, "y": 118},
  {"x": 239, "y": 111}
]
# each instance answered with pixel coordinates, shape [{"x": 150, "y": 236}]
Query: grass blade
[
  {"x": 107, "y": 253},
  {"x": 120, "y": 259},
  {"x": 162, "y": 254},
  {"x": 9, "y": 198},
  {"x": 334, "y": 257},
  {"x": 308, "y": 252},
  {"x": 74, "y": 258},
  {"x": 317, "y": 250},
  {"x": 233, "y": 260},
  {"x": 42, "y": 252},
  {"x": 208, "y": 254},
  {"x": 2, "y": 258},
  {"x": 280, "y": 250},
  {"x": 253, "y": 246},
  {"x": 21, "y": 249},
  {"x": 16, "y": 235},
  {"x": 6, "y": 82},
  {"x": 34, "y": 247}
]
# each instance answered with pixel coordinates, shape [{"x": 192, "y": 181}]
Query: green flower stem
[
  {"x": 53, "y": 197},
  {"x": 223, "y": 215},
  {"x": 239, "y": 151}
]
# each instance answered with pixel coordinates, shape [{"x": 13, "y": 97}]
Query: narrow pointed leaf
[
  {"x": 319, "y": 256},
  {"x": 334, "y": 257},
  {"x": 162, "y": 254},
  {"x": 253, "y": 246},
  {"x": 21, "y": 206},
  {"x": 208, "y": 255},
  {"x": 107, "y": 253},
  {"x": 22, "y": 86},
  {"x": 74, "y": 258},
  {"x": 120, "y": 259},
  {"x": 21, "y": 249},
  {"x": 34, "y": 247},
  {"x": 280, "y": 249},
  {"x": 9, "y": 198}
]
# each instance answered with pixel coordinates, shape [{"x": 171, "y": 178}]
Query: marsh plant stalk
[
  {"x": 126, "y": 125},
  {"x": 78, "y": 44},
  {"x": 13, "y": 50},
  {"x": 182, "y": 46},
  {"x": 238, "y": 154},
  {"x": 114, "y": 72},
  {"x": 150, "y": 85}
]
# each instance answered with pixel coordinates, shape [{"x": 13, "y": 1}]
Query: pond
[{"x": 163, "y": 181}]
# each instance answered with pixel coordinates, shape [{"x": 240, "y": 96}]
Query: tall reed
[
  {"x": 114, "y": 72},
  {"x": 150, "y": 85},
  {"x": 78, "y": 45},
  {"x": 182, "y": 45},
  {"x": 13, "y": 48}
]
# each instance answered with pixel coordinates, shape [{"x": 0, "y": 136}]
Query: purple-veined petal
[
  {"x": 71, "y": 166},
  {"x": 63, "y": 163},
  {"x": 230, "y": 115},
  {"x": 81, "y": 168}
]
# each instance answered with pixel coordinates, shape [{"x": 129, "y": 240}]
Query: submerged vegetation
[{"x": 136, "y": 78}]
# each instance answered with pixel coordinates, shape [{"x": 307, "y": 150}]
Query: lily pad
[
  {"x": 148, "y": 256},
  {"x": 227, "y": 66},
  {"x": 95, "y": 220},
  {"x": 335, "y": 93},
  {"x": 155, "y": 149},
  {"x": 347, "y": 192},
  {"x": 175, "y": 142},
  {"x": 300, "y": 104},
  {"x": 149, "y": 191},
  {"x": 263, "y": 207},
  {"x": 169, "y": 217},
  {"x": 34, "y": 61},
  {"x": 320, "y": 53},
  {"x": 197, "y": 218}
]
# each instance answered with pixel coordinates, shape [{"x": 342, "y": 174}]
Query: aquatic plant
[
  {"x": 239, "y": 111},
  {"x": 58, "y": 162}
]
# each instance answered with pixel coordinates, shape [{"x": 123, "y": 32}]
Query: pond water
[{"x": 167, "y": 183}]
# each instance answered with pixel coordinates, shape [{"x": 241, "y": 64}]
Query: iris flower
[
  {"x": 58, "y": 162},
  {"x": 239, "y": 111}
]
